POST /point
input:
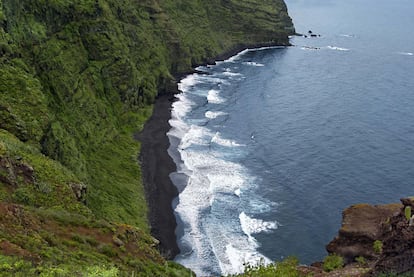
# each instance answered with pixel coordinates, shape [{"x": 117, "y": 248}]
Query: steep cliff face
[
  {"x": 377, "y": 240},
  {"x": 77, "y": 78}
]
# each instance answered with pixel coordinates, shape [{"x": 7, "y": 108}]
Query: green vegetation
[
  {"x": 377, "y": 246},
  {"x": 407, "y": 212},
  {"x": 332, "y": 262},
  {"x": 77, "y": 79},
  {"x": 11, "y": 266},
  {"x": 285, "y": 268},
  {"x": 361, "y": 261}
]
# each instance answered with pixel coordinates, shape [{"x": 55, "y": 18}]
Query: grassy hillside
[{"x": 77, "y": 78}]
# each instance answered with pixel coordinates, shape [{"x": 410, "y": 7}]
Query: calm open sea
[{"x": 272, "y": 144}]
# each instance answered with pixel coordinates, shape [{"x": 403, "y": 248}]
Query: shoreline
[{"x": 157, "y": 164}]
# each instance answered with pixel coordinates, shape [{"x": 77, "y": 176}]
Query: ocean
[{"x": 272, "y": 144}]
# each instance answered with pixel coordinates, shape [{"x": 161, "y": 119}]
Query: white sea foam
[
  {"x": 181, "y": 107},
  {"x": 209, "y": 177},
  {"x": 224, "y": 142},
  {"x": 213, "y": 97},
  {"x": 212, "y": 115},
  {"x": 347, "y": 35},
  {"x": 253, "y": 64},
  {"x": 228, "y": 72},
  {"x": 252, "y": 226},
  {"x": 195, "y": 135},
  {"x": 188, "y": 82},
  {"x": 260, "y": 205},
  {"x": 266, "y": 48},
  {"x": 240, "y": 54},
  {"x": 227, "y": 181},
  {"x": 208, "y": 196},
  {"x": 406, "y": 53},
  {"x": 238, "y": 258},
  {"x": 237, "y": 56},
  {"x": 192, "y": 201},
  {"x": 231, "y": 74},
  {"x": 211, "y": 79},
  {"x": 309, "y": 48},
  {"x": 337, "y": 48},
  {"x": 179, "y": 128}
]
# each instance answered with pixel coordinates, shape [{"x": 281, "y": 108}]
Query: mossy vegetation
[
  {"x": 77, "y": 79},
  {"x": 285, "y": 268},
  {"x": 377, "y": 246},
  {"x": 361, "y": 261},
  {"x": 407, "y": 212},
  {"x": 332, "y": 262}
]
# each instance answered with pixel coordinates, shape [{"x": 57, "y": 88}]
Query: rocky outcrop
[
  {"x": 79, "y": 189},
  {"x": 14, "y": 172},
  {"x": 380, "y": 235},
  {"x": 398, "y": 243},
  {"x": 362, "y": 225}
]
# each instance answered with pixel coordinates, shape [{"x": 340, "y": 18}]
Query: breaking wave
[{"x": 213, "y": 192}]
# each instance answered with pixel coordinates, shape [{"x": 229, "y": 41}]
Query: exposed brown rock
[
  {"x": 362, "y": 224},
  {"x": 398, "y": 245},
  {"x": 117, "y": 241},
  {"x": 408, "y": 202},
  {"x": 80, "y": 191},
  {"x": 310, "y": 270},
  {"x": 15, "y": 172},
  {"x": 11, "y": 249}
]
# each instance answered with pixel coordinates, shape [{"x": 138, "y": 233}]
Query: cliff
[
  {"x": 383, "y": 235},
  {"x": 374, "y": 240},
  {"x": 77, "y": 79}
]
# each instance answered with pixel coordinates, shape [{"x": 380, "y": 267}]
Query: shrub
[
  {"x": 23, "y": 196},
  {"x": 9, "y": 266},
  {"x": 285, "y": 268},
  {"x": 377, "y": 246},
  {"x": 332, "y": 262},
  {"x": 102, "y": 271},
  {"x": 107, "y": 250},
  {"x": 78, "y": 238},
  {"x": 361, "y": 260},
  {"x": 407, "y": 212}
]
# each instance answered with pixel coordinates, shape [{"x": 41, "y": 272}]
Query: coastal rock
[
  {"x": 411, "y": 222},
  {"x": 398, "y": 245},
  {"x": 362, "y": 225},
  {"x": 408, "y": 202}
]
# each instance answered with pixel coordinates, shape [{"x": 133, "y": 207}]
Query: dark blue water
[{"x": 275, "y": 143}]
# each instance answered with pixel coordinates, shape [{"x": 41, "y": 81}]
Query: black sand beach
[
  {"x": 156, "y": 166},
  {"x": 156, "y": 163}
]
